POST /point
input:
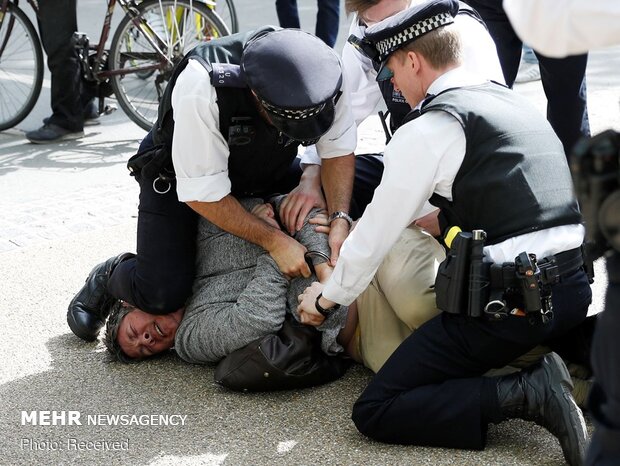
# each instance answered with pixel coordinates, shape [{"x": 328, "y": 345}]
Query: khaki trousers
[{"x": 400, "y": 297}]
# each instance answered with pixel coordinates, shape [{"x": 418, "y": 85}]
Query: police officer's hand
[
  {"x": 339, "y": 230},
  {"x": 307, "y": 310},
  {"x": 301, "y": 200},
  {"x": 289, "y": 254}
]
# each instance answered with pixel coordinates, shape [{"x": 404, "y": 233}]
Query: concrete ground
[{"x": 66, "y": 207}]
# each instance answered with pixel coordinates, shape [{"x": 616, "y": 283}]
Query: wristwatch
[
  {"x": 324, "y": 312},
  {"x": 340, "y": 214}
]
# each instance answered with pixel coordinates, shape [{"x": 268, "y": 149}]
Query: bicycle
[{"x": 150, "y": 39}]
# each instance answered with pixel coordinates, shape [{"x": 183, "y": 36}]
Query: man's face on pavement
[
  {"x": 141, "y": 335},
  {"x": 383, "y": 9}
]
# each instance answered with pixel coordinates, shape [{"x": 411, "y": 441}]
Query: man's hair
[
  {"x": 359, "y": 6},
  {"x": 119, "y": 310},
  {"x": 441, "y": 47}
]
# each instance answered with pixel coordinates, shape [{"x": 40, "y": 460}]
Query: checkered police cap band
[
  {"x": 386, "y": 46},
  {"x": 293, "y": 114}
]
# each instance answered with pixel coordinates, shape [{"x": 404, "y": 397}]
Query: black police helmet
[{"x": 296, "y": 77}]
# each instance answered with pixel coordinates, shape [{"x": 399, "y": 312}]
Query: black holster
[{"x": 451, "y": 283}]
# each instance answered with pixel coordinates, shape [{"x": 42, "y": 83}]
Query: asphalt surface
[{"x": 68, "y": 206}]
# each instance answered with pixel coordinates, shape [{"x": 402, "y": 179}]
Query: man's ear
[{"x": 414, "y": 61}]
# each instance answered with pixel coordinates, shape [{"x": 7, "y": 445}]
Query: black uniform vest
[
  {"x": 514, "y": 178},
  {"x": 259, "y": 154},
  {"x": 394, "y": 100}
]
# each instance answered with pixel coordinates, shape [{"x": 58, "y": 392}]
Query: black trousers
[
  {"x": 159, "y": 279},
  {"x": 57, "y": 22},
  {"x": 604, "y": 401},
  {"x": 327, "y": 18},
  {"x": 431, "y": 390},
  {"x": 563, "y": 79}
]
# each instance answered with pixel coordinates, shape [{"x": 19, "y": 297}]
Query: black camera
[{"x": 595, "y": 165}]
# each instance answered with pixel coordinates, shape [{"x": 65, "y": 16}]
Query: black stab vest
[
  {"x": 259, "y": 154},
  {"x": 514, "y": 178},
  {"x": 394, "y": 100}
]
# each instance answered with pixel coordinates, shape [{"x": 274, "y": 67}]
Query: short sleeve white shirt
[{"x": 200, "y": 152}]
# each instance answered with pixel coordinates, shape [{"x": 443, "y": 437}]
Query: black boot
[
  {"x": 90, "y": 306},
  {"x": 542, "y": 394}
]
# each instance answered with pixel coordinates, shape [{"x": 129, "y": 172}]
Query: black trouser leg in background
[
  {"x": 563, "y": 79},
  {"x": 57, "y": 22}
]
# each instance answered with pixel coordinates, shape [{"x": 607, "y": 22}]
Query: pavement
[{"x": 68, "y": 206}]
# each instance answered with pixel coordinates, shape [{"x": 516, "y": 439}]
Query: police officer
[
  {"x": 490, "y": 161},
  {"x": 230, "y": 122}
]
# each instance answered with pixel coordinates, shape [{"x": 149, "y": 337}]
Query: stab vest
[
  {"x": 259, "y": 154},
  {"x": 394, "y": 100},
  {"x": 514, "y": 178}
]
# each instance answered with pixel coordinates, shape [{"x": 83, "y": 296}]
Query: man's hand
[
  {"x": 300, "y": 201},
  {"x": 266, "y": 213},
  {"x": 429, "y": 223},
  {"x": 290, "y": 257},
  {"x": 307, "y": 310},
  {"x": 339, "y": 230}
]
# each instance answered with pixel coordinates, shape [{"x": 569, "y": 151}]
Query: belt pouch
[{"x": 452, "y": 281}]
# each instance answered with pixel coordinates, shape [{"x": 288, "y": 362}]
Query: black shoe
[
  {"x": 52, "y": 133},
  {"x": 91, "y": 115},
  {"x": 543, "y": 394},
  {"x": 91, "y": 305}
]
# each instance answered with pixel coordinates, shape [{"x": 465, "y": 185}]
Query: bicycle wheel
[
  {"x": 177, "y": 26},
  {"x": 21, "y": 67},
  {"x": 226, "y": 10}
]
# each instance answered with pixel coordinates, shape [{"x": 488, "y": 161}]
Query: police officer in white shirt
[
  {"x": 492, "y": 163},
  {"x": 389, "y": 312},
  {"x": 230, "y": 123}
]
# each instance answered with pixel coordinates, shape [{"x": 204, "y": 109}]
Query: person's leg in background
[
  {"x": 288, "y": 16},
  {"x": 564, "y": 82},
  {"x": 563, "y": 79},
  {"x": 57, "y": 22},
  {"x": 528, "y": 67},
  {"x": 506, "y": 40},
  {"x": 327, "y": 21}
]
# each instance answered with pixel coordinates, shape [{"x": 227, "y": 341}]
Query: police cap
[
  {"x": 296, "y": 78},
  {"x": 396, "y": 31}
]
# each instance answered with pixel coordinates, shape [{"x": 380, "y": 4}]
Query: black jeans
[
  {"x": 159, "y": 279},
  {"x": 57, "y": 22},
  {"x": 563, "y": 79},
  {"x": 327, "y": 18},
  {"x": 604, "y": 401},
  {"x": 430, "y": 391}
]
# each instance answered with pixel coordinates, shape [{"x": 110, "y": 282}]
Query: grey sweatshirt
[{"x": 240, "y": 295}]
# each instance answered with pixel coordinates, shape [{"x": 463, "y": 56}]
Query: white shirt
[
  {"x": 479, "y": 57},
  {"x": 423, "y": 158},
  {"x": 558, "y": 28},
  {"x": 200, "y": 152}
]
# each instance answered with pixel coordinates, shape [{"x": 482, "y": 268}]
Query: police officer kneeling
[
  {"x": 492, "y": 163},
  {"x": 230, "y": 123}
]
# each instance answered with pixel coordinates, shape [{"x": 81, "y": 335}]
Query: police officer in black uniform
[
  {"x": 271, "y": 90},
  {"x": 496, "y": 169}
]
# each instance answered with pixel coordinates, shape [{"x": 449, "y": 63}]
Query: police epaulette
[{"x": 227, "y": 75}]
